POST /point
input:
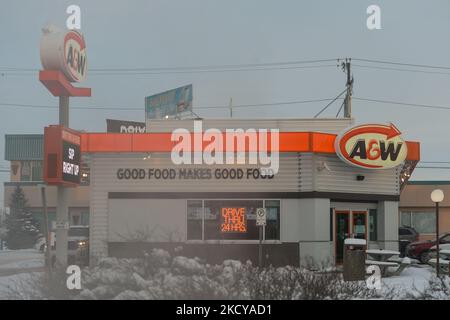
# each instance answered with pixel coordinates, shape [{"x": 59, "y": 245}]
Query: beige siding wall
[
  {"x": 331, "y": 174},
  {"x": 416, "y": 198}
]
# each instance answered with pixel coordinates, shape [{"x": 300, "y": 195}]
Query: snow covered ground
[
  {"x": 19, "y": 265},
  {"x": 415, "y": 277},
  {"x": 20, "y": 260}
]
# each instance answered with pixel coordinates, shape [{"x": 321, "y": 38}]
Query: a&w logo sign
[{"x": 372, "y": 146}]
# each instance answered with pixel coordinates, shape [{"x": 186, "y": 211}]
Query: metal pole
[
  {"x": 437, "y": 239},
  {"x": 62, "y": 210},
  {"x": 47, "y": 233},
  {"x": 260, "y": 247}
]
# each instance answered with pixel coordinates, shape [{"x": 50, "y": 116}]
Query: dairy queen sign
[{"x": 372, "y": 146}]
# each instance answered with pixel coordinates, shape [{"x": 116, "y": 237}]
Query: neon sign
[{"x": 233, "y": 220}]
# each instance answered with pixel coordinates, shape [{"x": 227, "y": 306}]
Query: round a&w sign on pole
[{"x": 261, "y": 216}]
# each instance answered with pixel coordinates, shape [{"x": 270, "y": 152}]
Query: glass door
[
  {"x": 359, "y": 224},
  {"x": 342, "y": 223}
]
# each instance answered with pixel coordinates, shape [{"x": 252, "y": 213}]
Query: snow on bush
[{"x": 158, "y": 275}]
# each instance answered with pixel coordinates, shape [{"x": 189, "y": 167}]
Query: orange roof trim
[{"x": 161, "y": 142}]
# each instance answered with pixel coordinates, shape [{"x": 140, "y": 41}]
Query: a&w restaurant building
[{"x": 191, "y": 187}]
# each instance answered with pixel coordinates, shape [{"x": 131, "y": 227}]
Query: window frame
[
  {"x": 411, "y": 219},
  {"x": 231, "y": 241}
]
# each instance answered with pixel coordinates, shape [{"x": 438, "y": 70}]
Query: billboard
[
  {"x": 62, "y": 156},
  {"x": 122, "y": 126},
  {"x": 168, "y": 103}
]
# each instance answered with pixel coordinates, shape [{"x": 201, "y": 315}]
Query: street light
[{"x": 437, "y": 196}]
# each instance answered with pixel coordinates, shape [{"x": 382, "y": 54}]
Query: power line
[
  {"x": 127, "y": 73},
  {"x": 402, "y": 70},
  {"x": 237, "y": 106},
  {"x": 403, "y": 103},
  {"x": 434, "y": 161},
  {"x": 141, "y": 108},
  {"x": 324, "y": 108},
  {"x": 402, "y": 64},
  {"x": 201, "y": 67},
  {"x": 427, "y": 167}
]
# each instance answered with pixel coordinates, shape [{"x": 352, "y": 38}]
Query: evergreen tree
[{"x": 21, "y": 227}]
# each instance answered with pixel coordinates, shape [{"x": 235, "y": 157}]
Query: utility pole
[
  {"x": 62, "y": 209},
  {"x": 231, "y": 107},
  {"x": 346, "y": 66}
]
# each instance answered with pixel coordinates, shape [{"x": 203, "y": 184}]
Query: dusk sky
[{"x": 165, "y": 33}]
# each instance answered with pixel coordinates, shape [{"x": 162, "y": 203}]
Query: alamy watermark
[{"x": 234, "y": 146}]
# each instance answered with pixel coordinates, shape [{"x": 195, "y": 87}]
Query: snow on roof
[{"x": 353, "y": 241}]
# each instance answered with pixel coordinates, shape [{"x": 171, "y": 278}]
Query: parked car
[
  {"x": 406, "y": 235},
  {"x": 421, "y": 249},
  {"x": 432, "y": 251},
  {"x": 77, "y": 246},
  {"x": 40, "y": 243}
]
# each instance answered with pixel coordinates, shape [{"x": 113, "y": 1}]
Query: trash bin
[
  {"x": 402, "y": 247},
  {"x": 354, "y": 259}
]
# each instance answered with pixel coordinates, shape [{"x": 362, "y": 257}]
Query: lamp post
[{"x": 437, "y": 196}]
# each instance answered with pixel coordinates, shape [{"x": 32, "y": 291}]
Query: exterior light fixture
[{"x": 437, "y": 196}]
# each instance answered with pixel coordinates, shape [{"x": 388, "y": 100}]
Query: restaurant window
[
  {"x": 423, "y": 222},
  {"x": 231, "y": 219},
  {"x": 373, "y": 223},
  {"x": 31, "y": 171},
  {"x": 85, "y": 218},
  {"x": 273, "y": 219},
  {"x": 36, "y": 171},
  {"x": 194, "y": 219},
  {"x": 25, "y": 171}
]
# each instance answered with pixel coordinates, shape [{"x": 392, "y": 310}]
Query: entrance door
[
  {"x": 342, "y": 231},
  {"x": 359, "y": 224},
  {"x": 348, "y": 224}
]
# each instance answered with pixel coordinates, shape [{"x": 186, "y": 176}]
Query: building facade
[
  {"x": 141, "y": 200},
  {"x": 136, "y": 200},
  {"x": 418, "y": 211}
]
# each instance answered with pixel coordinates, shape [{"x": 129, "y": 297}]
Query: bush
[{"x": 160, "y": 276}]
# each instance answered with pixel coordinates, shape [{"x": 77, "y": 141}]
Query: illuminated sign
[
  {"x": 64, "y": 51},
  {"x": 233, "y": 220},
  {"x": 62, "y": 156},
  {"x": 372, "y": 146},
  {"x": 71, "y": 162}
]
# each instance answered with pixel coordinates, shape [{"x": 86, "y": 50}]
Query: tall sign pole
[
  {"x": 64, "y": 60},
  {"x": 62, "y": 209}
]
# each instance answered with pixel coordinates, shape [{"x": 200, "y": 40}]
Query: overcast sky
[{"x": 164, "y": 33}]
